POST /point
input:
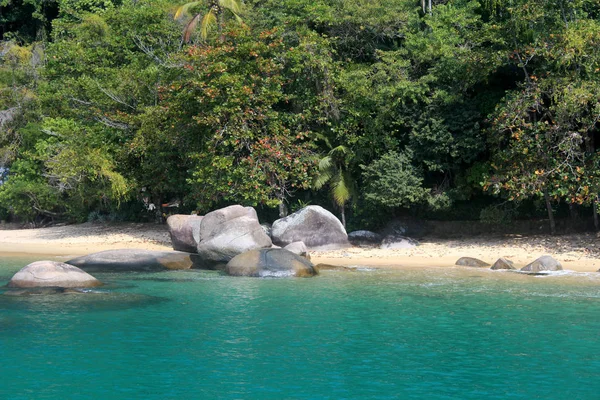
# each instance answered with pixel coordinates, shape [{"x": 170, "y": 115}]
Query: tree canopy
[{"x": 398, "y": 106}]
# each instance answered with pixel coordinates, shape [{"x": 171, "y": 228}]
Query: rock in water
[
  {"x": 503, "y": 263},
  {"x": 134, "y": 260},
  {"x": 185, "y": 232},
  {"x": 230, "y": 231},
  {"x": 398, "y": 242},
  {"x": 270, "y": 263},
  {"x": 471, "y": 262},
  {"x": 364, "y": 238},
  {"x": 544, "y": 263},
  {"x": 52, "y": 274},
  {"x": 313, "y": 225}
]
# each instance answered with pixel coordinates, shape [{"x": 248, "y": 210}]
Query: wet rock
[
  {"x": 503, "y": 263},
  {"x": 134, "y": 260},
  {"x": 544, "y": 263},
  {"x": 471, "y": 262},
  {"x": 185, "y": 232},
  {"x": 230, "y": 231},
  {"x": 52, "y": 274},
  {"x": 398, "y": 242},
  {"x": 331, "y": 267},
  {"x": 365, "y": 238},
  {"x": 313, "y": 225},
  {"x": 270, "y": 263}
]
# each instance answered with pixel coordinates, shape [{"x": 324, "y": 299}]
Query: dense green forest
[{"x": 477, "y": 109}]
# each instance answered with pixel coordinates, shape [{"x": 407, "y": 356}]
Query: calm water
[{"x": 416, "y": 334}]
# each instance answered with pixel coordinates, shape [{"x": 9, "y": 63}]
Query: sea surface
[{"x": 426, "y": 333}]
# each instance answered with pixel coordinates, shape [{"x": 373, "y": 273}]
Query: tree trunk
[
  {"x": 595, "y": 211},
  {"x": 550, "y": 213},
  {"x": 283, "y": 210},
  {"x": 343, "y": 214},
  {"x": 573, "y": 212}
]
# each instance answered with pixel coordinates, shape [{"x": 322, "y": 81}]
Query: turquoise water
[{"x": 412, "y": 334}]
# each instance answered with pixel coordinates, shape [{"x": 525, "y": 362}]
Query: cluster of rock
[
  {"x": 542, "y": 264},
  {"x": 230, "y": 239},
  {"x": 222, "y": 235}
]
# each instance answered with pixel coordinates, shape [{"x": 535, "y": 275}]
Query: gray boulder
[
  {"x": 230, "y": 231},
  {"x": 134, "y": 260},
  {"x": 471, "y": 262},
  {"x": 503, "y": 263},
  {"x": 365, "y": 238},
  {"x": 270, "y": 263},
  {"x": 544, "y": 263},
  {"x": 52, "y": 274},
  {"x": 398, "y": 242},
  {"x": 185, "y": 232},
  {"x": 313, "y": 225},
  {"x": 298, "y": 248}
]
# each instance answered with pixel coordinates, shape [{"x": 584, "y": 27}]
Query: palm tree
[
  {"x": 333, "y": 170},
  {"x": 215, "y": 15}
]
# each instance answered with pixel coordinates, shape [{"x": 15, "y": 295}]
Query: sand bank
[{"x": 579, "y": 252}]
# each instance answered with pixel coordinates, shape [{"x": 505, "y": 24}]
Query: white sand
[{"x": 580, "y": 252}]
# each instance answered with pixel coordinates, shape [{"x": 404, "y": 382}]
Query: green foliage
[
  {"x": 393, "y": 182},
  {"x": 100, "y": 100}
]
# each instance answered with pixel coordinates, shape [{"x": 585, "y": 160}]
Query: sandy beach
[{"x": 577, "y": 252}]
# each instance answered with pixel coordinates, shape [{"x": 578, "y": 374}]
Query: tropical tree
[
  {"x": 214, "y": 15},
  {"x": 334, "y": 171}
]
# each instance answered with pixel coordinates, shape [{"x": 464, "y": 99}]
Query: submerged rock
[
  {"x": 503, "y": 263},
  {"x": 471, "y": 262},
  {"x": 544, "y": 263},
  {"x": 230, "y": 231},
  {"x": 134, "y": 260},
  {"x": 185, "y": 232},
  {"x": 331, "y": 267},
  {"x": 313, "y": 225},
  {"x": 52, "y": 274},
  {"x": 270, "y": 263}
]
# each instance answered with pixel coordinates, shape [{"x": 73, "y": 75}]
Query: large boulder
[
  {"x": 471, "y": 262},
  {"x": 398, "y": 242},
  {"x": 365, "y": 238},
  {"x": 230, "y": 231},
  {"x": 313, "y": 225},
  {"x": 52, "y": 274},
  {"x": 270, "y": 263},
  {"x": 544, "y": 263},
  {"x": 134, "y": 260},
  {"x": 185, "y": 232}
]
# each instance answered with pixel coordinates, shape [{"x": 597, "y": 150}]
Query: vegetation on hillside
[{"x": 371, "y": 108}]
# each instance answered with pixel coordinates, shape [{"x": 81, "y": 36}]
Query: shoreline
[{"x": 576, "y": 252}]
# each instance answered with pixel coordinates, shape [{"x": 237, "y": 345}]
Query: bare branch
[
  {"x": 114, "y": 97},
  {"x": 113, "y": 124}
]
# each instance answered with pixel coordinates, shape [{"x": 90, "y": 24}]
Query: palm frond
[
  {"x": 325, "y": 163},
  {"x": 340, "y": 150},
  {"x": 190, "y": 27},
  {"x": 209, "y": 19},
  {"x": 322, "y": 179},
  {"x": 235, "y": 6},
  {"x": 340, "y": 190},
  {"x": 184, "y": 9}
]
